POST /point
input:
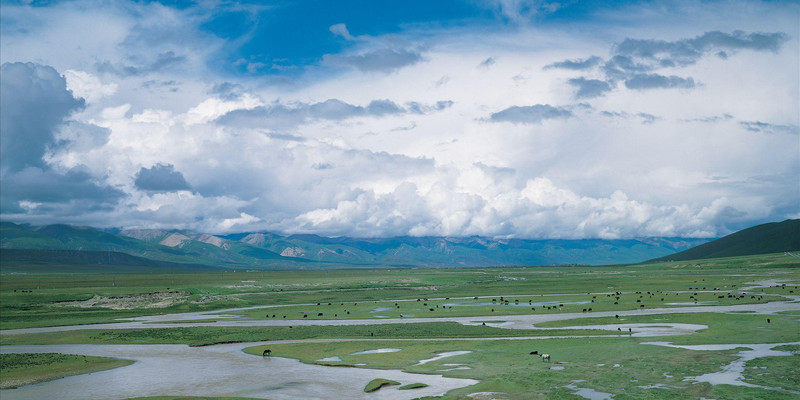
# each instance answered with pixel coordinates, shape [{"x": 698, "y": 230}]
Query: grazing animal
[
  {"x": 266, "y": 353},
  {"x": 534, "y": 352},
  {"x": 545, "y": 357},
  {"x": 767, "y": 320}
]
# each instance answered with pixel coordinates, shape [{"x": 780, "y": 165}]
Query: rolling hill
[
  {"x": 775, "y": 237},
  {"x": 25, "y": 260},
  {"x": 265, "y": 250}
]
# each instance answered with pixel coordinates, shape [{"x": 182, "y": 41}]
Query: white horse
[{"x": 545, "y": 357}]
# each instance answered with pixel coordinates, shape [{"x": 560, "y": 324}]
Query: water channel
[{"x": 222, "y": 370}]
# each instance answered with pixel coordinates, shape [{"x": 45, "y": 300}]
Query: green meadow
[
  {"x": 613, "y": 362},
  {"x": 26, "y": 368}
]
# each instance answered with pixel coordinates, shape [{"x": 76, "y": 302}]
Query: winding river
[
  {"x": 224, "y": 370},
  {"x": 221, "y": 370}
]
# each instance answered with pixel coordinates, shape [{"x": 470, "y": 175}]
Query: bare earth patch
[{"x": 144, "y": 300}]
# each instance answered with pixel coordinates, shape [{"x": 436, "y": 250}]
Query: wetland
[{"x": 724, "y": 328}]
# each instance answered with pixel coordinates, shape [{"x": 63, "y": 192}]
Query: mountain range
[{"x": 265, "y": 250}]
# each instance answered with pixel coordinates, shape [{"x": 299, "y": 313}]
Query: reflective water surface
[
  {"x": 731, "y": 374},
  {"x": 223, "y": 370}
]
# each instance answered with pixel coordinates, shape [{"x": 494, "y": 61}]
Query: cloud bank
[{"x": 511, "y": 119}]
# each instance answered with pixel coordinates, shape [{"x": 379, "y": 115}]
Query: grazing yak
[
  {"x": 545, "y": 357},
  {"x": 266, "y": 353},
  {"x": 535, "y": 352}
]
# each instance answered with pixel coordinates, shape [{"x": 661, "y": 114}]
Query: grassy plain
[
  {"x": 27, "y": 368},
  {"x": 52, "y": 299},
  {"x": 203, "y": 336},
  {"x": 376, "y": 384},
  {"x": 621, "y": 366}
]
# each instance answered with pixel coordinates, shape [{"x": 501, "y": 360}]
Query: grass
[
  {"x": 780, "y": 372},
  {"x": 413, "y": 386},
  {"x": 506, "y": 366},
  {"x": 375, "y": 384},
  {"x": 501, "y": 366},
  {"x": 26, "y": 368},
  {"x": 203, "y": 336},
  {"x": 722, "y": 328},
  {"x": 190, "y": 398},
  {"x": 36, "y": 300}
]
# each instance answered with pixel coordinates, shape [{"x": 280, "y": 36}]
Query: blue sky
[{"x": 504, "y": 118}]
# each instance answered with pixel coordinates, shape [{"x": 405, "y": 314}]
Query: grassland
[
  {"x": 774, "y": 372},
  {"x": 375, "y": 384},
  {"x": 507, "y": 366},
  {"x": 204, "y": 336},
  {"x": 26, "y": 368},
  {"x": 31, "y": 300},
  {"x": 601, "y": 360}
]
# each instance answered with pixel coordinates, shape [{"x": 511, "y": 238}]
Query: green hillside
[
  {"x": 93, "y": 241},
  {"x": 775, "y": 237},
  {"x": 265, "y": 250},
  {"x": 51, "y": 261}
]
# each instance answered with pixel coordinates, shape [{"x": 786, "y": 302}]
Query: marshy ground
[{"x": 477, "y": 327}]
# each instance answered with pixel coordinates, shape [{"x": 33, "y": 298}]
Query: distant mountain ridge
[
  {"x": 266, "y": 250},
  {"x": 774, "y": 237},
  {"x": 88, "y": 261}
]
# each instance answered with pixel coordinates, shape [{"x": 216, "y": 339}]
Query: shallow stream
[{"x": 222, "y": 370}]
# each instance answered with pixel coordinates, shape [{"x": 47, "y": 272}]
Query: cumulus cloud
[
  {"x": 589, "y": 88},
  {"x": 160, "y": 62},
  {"x": 689, "y": 51},
  {"x": 645, "y": 118},
  {"x": 656, "y": 81},
  {"x": 75, "y": 191},
  {"x": 341, "y": 30},
  {"x": 576, "y": 65},
  {"x": 380, "y": 60},
  {"x": 285, "y": 136},
  {"x": 35, "y": 101},
  {"x": 487, "y": 62},
  {"x": 538, "y": 209},
  {"x": 273, "y": 154},
  {"x": 711, "y": 119},
  {"x": 419, "y": 108},
  {"x": 228, "y": 91},
  {"x": 763, "y": 127},
  {"x": 637, "y": 61},
  {"x": 80, "y": 137},
  {"x": 521, "y": 11},
  {"x": 87, "y": 86},
  {"x": 530, "y": 114},
  {"x": 34, "y": 121},
  {"x": 160, "y": 178},
  {"x": 278, "y": 115}
]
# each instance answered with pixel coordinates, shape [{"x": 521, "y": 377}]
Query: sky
[{"x": 502, "y": 118}]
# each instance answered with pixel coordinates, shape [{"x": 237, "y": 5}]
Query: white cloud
[
  {"x": 88, "y": 86},
  {"x": 411, "y": 151}
]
